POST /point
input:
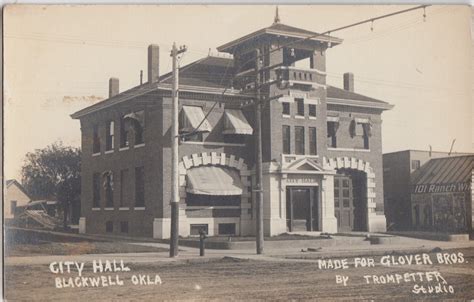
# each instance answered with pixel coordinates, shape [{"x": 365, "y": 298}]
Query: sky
[{"x": 58, "y": 60}]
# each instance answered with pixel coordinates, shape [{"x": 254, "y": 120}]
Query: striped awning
[
  {"x": 213, "y": 180},
  {"x": 192, "y": 116},
  {"x": 236, "y": 123}
]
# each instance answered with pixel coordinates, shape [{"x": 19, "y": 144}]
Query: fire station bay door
[
  {"x": 302, "y": 209},
  {"x": 343, "y": 203}
]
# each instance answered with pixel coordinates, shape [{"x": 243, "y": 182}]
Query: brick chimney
[
  {"x": 349, "y": 81},
  {"x": 153, "y": 63},
  {"x": 113, "y": 87}
]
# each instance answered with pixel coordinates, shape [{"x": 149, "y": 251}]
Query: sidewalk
[{"x": 189, "y": 254}]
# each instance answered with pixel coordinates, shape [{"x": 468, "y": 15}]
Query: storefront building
[
  {"x": 441, "y": 196},
  {"x": 321, "y": 145}
]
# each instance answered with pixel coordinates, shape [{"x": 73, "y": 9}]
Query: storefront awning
[
  {"x": 236, "y": 123},
  {"x": 192, "y": 116},
  {"x": 212, "y": 180}
]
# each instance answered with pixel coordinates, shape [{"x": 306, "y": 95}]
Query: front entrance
[
  {"x": 344, "y": 203},
  {"x": 302, "y": 209}
]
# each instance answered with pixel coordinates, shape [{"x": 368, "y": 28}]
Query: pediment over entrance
[{"x": 305, "y": 164}]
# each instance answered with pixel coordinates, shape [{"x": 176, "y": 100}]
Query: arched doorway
[{"x": 350, "y": 200}]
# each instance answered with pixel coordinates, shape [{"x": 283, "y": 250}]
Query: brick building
[{"x": 322, "y": 156}]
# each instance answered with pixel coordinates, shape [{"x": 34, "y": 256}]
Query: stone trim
[
  {"x": 356, "y": 164},
  {"x": 216, "y": 159}
]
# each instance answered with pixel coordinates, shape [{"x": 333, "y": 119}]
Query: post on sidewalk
[{"x": 202, "y": 237}]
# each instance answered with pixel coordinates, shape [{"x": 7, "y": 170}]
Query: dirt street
[{"x": 231, "y": 278}]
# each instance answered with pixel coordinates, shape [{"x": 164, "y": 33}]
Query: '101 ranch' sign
[{"x": 442, "y": 188}]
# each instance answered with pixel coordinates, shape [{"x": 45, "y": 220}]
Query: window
[
  {"x": 108, "y": 179},
  {"x": 286, "y": 108},
  {"x": 109, "y": 226},
  {"x": 137, "y": 123},
  {"x": 313, "y": 150},
  {"x": 96, "y": 140},
  {"x": 234, "y": 138},
  {"x": 196, "y": 137},
  {"x": 366, "y": 142},
  {"x": 96, "y": 190},
  {"x": 124, "y": 186},
  {"x": 332, "y": 130},
  {"x": 195, "y": 228},
  {"x": 123, "y": 133},
  {"x": 226, "y": 228},
  {"x": 299, "y": 140},
  {"x": 198, "y": 200},
  {"x": 139, "y": 127},
  {"x": 13, "y": 204},
  {"x": 359, "y": 129},
  {"x": 367, "y": 127},
  {"x": 286, "y": 139},
  {"x": 415, "y": 164},
  {"x": 300, "y": 107},
  {"x": 312, "y": 110},
  {"x": 140, "y": 187},
  {"x": 109, "y": 139},
  {"x": 124, "y": 226}
]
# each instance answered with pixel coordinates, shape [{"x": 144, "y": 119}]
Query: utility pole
[
  {"x": 174, "y": 236},
  {"x": 258, "y": 163}
]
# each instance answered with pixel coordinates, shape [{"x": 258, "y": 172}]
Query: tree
[{"x": 53, "y": 173}]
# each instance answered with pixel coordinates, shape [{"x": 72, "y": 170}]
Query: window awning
[
  {"x": 213, "y": 180},
  {"x": 236, "y": 123},
  {"x": 192, "y": 117}
]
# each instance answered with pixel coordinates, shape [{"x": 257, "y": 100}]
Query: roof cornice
[
  {"x": 120, "y": 98},
  {"x": 317, "y": 37},
  {"x": 358, "y": 103}
]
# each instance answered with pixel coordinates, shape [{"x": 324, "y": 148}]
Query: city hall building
[{"x": 322, "y": 154}]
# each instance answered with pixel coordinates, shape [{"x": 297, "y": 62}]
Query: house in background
[
  {"x": 400, "y": 169},
  {"x": 15, "y": 196},
  {"x": 321, "y": 146}
]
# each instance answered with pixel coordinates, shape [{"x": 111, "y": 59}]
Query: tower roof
[{"x": 278, "y": 29}]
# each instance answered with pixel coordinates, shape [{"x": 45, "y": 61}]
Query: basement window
[
  {"x": 196, "y": 228},
  {"x": 124, "y": 226},
  {"x": 109, "y": 226},
  {"x": 227, "y": 229}
]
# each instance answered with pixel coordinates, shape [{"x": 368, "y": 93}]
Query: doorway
[
  {"x": 344, "y": 203},
  {"x": 302, "y": 209}
]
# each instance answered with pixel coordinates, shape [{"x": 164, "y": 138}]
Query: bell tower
[{"x": 293, "y": 61}]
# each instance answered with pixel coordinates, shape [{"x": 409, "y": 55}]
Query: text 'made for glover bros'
[{"x": 424, "y": 281}]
